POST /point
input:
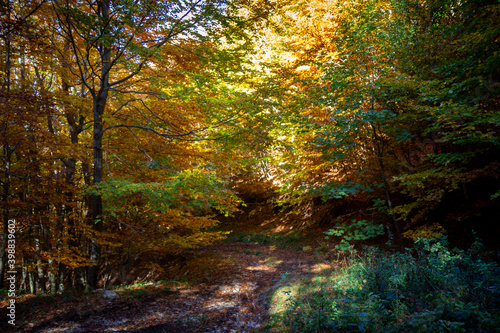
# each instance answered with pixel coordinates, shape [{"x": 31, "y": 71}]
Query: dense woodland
[{"x": 124, "y": 125}]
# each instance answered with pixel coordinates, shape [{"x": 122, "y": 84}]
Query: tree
[
  {"x": 156, "y": 91},
  {"x": 112, "y": 43},
  {"x": 24, "y": 109},
  {"x": 381, "y": 102},
  {"x": 445, "y": 95}
]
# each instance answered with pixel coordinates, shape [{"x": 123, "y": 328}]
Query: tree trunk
[
  {"x": 23, "y": 286},
  {"x": 383, "y": 173},
  {"x": 96, "y": 199},
  {"x": 32, "y": 284},
  {"x": 41, "y": 276},
  {"x": 60, "y": 278},
  {"x": 99, "y": 104},
  {"x": 52, "y": 277}
]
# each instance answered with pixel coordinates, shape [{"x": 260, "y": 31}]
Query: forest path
[
  {"x": 230, "y": 295},
  {"x": 223, "y": 287}
]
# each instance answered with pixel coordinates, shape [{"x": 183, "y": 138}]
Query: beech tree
[
  {"x": 122, "y": 120},
  {"x": 111, "y": 43},
  {"x": 388, "y": 101},
  {"x": 137, "y": 83}
]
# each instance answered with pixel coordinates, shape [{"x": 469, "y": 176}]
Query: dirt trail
[
  {"x": 235, "y": 301},
  {"x": 233, "y": 284}
]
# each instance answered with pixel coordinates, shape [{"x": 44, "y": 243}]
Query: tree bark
[
  {"x": 99, "y": 104},
  {"x": 379, "y": 154}
]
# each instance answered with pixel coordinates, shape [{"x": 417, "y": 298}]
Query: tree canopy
[{"x": 122, "y": 122}]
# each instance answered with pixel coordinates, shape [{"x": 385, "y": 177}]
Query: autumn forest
[{"x": 134, "y": 133}]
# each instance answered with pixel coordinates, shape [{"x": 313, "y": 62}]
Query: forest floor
[
  {"x": 235, "y": 285},
  {"x": 235, "y": 301},
  {"x": 224, "y": 287}
]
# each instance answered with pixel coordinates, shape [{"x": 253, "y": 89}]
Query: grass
[
  {"x": 141, "y": 288},
  {"x": 271, "y": 261},
  {"x": 281, "y": 241},
  {"x": 432, "y": 289}
]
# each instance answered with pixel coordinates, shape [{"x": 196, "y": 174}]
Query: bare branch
[
  {"x": 181, "y": 136},
  {"x": 124, "y": 105},
  {"x": 140, "y": 145},
  {"x": 24, "y": 18},
  {"x": 149, "y": 129},
  {"x": 164, "y": 40},
  {"x": 76, "y": 50},
  {"x": 107, "y": 165},
  {"x": 157, "y": 95},
  {"x": 117, "y": 157}
]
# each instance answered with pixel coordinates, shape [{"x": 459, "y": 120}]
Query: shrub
[
  {"x": 432, "y": 290},
  {"x": 357, "y": 230}
]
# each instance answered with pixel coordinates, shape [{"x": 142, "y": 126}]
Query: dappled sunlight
[
  {"x": 272, "y": 261},
  {"x": 392, "y": 292},
  {"x": 235, "y": 289},
  {"x": 218, "y": 305},
  {"x": 281, "y": 228},
  {"x": 283, "y": 297},
  {"x": 250, "y": 166},
  {"x": 261, "y": 268},
  {"x": 189, "y": 291},
  {"x": 321, "y": 267}
]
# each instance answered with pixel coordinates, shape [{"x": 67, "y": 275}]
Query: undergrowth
[
  {"x": 281, "y": 241},
  {"x": 428, "y": 289}
]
